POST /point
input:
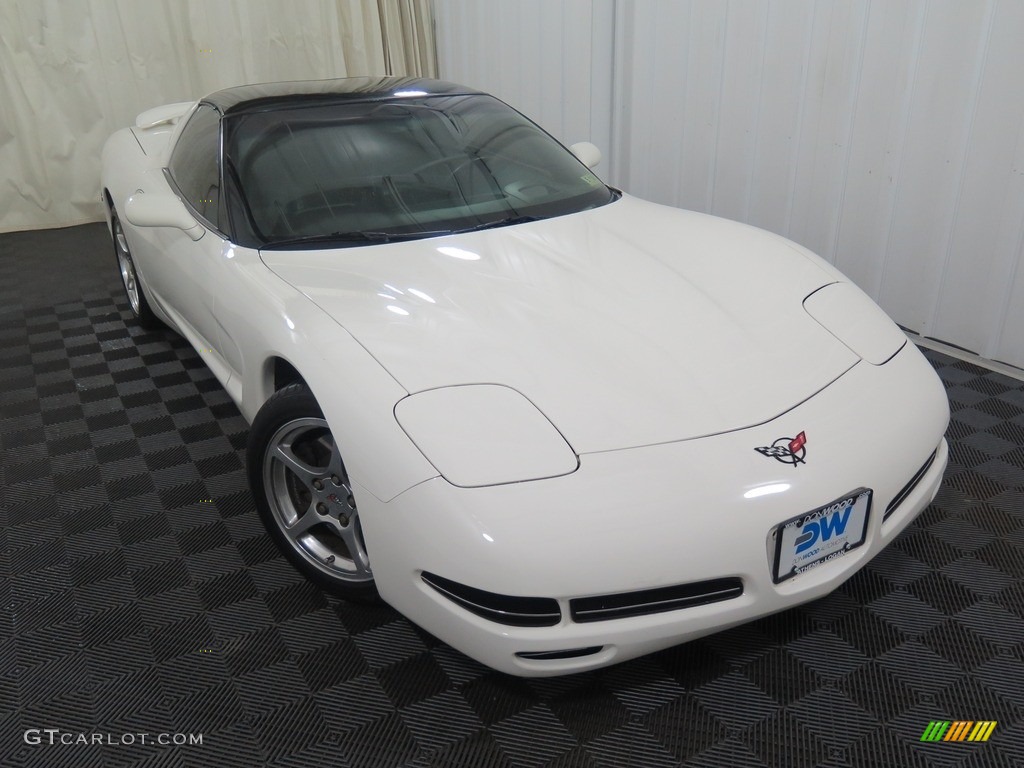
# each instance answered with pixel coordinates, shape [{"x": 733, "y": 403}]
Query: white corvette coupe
[{"x": 556, "y": 426}]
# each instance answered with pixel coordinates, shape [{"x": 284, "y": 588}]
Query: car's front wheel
[
  {"x": 304, "y": 495},
  {"x": 141, "y": 310}
]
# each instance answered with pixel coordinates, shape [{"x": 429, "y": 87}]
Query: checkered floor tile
[{"x": 141, "y": 596}]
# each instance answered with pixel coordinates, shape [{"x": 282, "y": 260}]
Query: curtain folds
[
  {"x": 408, "y": 37},
  {"x": 73, "y": 73}
]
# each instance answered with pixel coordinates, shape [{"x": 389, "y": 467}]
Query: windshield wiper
[
  {"x": 507, "y": 221},
  {"x": 333, "y": 237},
  {"x": 369, "y": 236}
]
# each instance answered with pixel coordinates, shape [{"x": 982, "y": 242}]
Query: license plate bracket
[{"x": 821, "y": 535}]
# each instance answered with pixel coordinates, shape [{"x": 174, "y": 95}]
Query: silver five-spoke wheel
[
  {"x": 310, "y": 497},
  {"x": 141, "y": 310},
  {"x": 124, "y": 261},
  {"x": 304, "y": 495}
]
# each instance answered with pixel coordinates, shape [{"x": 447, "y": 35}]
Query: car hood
[{"x": 627, "y": 325}]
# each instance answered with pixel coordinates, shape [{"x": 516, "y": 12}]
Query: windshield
[{"x": 353, "y": 174}]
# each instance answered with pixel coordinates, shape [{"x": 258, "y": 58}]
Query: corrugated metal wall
[{"x": 888, "y": 136}]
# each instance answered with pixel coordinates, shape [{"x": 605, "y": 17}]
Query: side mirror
[
  {"x": 586, "y": 153},
  {"x": 161, "y": 210}
]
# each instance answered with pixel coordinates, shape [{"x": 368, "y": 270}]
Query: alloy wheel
[
  {"x": 310, "y": 498},
  {"x": 127, "y": 266}
]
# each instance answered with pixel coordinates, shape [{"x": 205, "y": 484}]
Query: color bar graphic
[
  {"x": 958, "y": 730},
  {"x": 982, "y": 730},
  {"x": 935, "y": 731}
]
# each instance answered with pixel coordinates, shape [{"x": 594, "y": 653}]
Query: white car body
[{"x": 567, "y": 408}]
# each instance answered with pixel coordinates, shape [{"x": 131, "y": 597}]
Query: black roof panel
[{"x": 269, "y": 96}]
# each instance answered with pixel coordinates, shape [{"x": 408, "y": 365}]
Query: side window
[{"x": 194, "y": 163}]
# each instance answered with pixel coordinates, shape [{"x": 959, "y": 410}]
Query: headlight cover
[
  {"x": 484, "y": 434},
  {"x": 851, "y": 316}
]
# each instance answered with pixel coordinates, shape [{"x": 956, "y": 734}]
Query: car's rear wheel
[
  {"x": 141, "y": 310},
  {"x": 304, "y": 495}
]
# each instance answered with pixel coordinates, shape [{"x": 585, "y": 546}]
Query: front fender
[{"x": 263, "y": 317}]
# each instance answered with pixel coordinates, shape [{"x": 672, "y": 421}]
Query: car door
[{"x": 181, "y": 273}]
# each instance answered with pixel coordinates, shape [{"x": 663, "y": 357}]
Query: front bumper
[{"x": 660, "y": 516}]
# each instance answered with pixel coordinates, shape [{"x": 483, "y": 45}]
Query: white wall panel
[
  {"x": 781, "y": 103},
  {"x": 986, "y": 226},
  {"x": 943, "y": 99},
  {"x": 1008, "y": 341},
  {"x": 892, "y": 44},
  {"x": 552, "y": 61},
  {"x": 829, "y": 106},
  {"x": 888, "y": 136},
  {"x": 668, "y": 101}
]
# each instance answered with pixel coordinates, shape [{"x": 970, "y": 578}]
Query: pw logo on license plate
[{"x": 821, "y": 535}]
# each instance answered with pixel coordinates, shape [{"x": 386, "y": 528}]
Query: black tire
[
  {"x": 133, "y": 290},
  {"x": 304, "y": 496}
]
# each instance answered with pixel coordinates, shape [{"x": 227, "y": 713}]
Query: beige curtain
[
  {"x": 71, "y": 73},
  {"x": 408, "y": 37}
]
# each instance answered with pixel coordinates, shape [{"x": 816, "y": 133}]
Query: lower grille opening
[
  {"x": 502, "y": 609},
  {"x": 569, "y": 653},
  {"x": 648, "y": 601},
  {"x": 907, "y": 489}
]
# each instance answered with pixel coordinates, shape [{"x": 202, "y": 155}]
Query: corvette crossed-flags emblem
[{"x": 788, "y": 450}]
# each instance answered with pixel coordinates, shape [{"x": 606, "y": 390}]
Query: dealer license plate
[{"x": 821, "y": 535}]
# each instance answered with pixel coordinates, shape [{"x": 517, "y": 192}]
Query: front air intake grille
[
  {"x": 907, "y": 489},
  {"x": 568, "y": 653},
  {"x": 623, "y": 605},
  {"x": 502, "y": 609}
]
